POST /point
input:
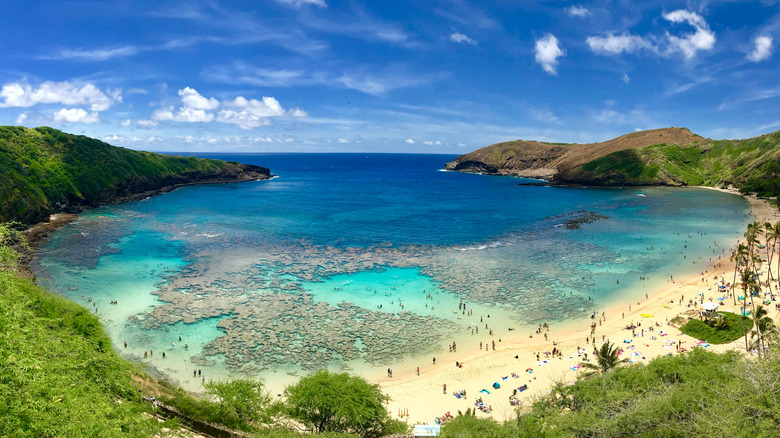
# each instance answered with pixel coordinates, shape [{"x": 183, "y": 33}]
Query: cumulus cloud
[
  {"x": 21, "y": 118},
  {"x": 192, "y": 99},
  {"x": 144, "y": 122},
  {"x": 702, "y": 39},
  {"x": 125, "y": 122},
  {"x": 547, "y": 53},
  {"x": 457, "y": 37},
  {"x": 616, "y": 44},
  {"x": 409, "y": 140},
  {"x": 22, "y": 94},
  {"x": 343, "y": 140},
  {"x": 577, "y": 11},
  {"x": 246, "y": 113},
  {"x": 431, "y": 143},
  {"x": 762, "y": 50},
  {"x": 76, "y": 115}
]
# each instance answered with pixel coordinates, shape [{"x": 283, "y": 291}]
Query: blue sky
[{"x": 386, "y": 76}]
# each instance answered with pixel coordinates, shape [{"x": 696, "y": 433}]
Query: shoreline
[
  {"x": 422, "y": 395},
  {"x": 36, "y": 234},
  {"x": 419, "y": 399}
]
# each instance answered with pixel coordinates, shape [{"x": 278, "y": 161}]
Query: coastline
[
  {"x": 419, "y": 399},
  {"x": 36, "y": 234},
  {"x": 421, "y": 396}
]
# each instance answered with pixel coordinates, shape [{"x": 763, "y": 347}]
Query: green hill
[
  {"x": 669, "y": 156},
  {"x": 46, "y": 171}
]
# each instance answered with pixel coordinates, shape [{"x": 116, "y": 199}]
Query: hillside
[
  {"x": 535, "y": 159},
  {"x": 669, "y": 156},
  {"x": 45, "y": 171}
]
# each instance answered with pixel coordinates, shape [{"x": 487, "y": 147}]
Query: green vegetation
[
  {"x": 606, "y": 359},
  {"x": 727, "y": 328},
  {"x": 46, "y": 170},
  {"x": 58, "y": 373},
  {"x": 753, "y": 165},
  {"x": 330, "y": 402}
]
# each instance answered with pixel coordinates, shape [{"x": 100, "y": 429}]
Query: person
[
  {"x": 444, "y": 388},
  {"x": 434, "y": 361}
]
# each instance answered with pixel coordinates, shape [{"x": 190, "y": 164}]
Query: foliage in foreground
[
  {"x": 733, "y": 327},
  {"x": 58, "y": 373}
]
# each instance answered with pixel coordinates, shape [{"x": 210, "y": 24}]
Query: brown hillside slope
[{"x": 544, "y": 160}]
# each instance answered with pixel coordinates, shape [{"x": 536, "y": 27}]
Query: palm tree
[
  {"x": 606, "y": 358},
  {"x": 738, "y": 257},
  {"x": 749, "y": 284},
  {"x": 763, "y": 327},
  {"x": 773, "y": 235}
]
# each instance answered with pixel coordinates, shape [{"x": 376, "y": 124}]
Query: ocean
[{"x": 363, "y": 262}]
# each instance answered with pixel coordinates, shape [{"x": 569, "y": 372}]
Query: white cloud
[
  {"x": 22, "y": 94},
  {"x": 246, "y": 113},
  {"x": 184, "y": 114},
  {"x": 428, "y": 142},
  {"x": 702, "y": 39},
  {"x": 297, "y": 112},
  {"x": 137, "y": 91},
  {"x": 457, "y": 37},
  {"x": 461, "y": 145},
  {"x": 763, "y": 49},
  {"x": 21, "y": 118},
  {"x": 251, "y": 113},
  {"x": 98, "y": 54},
  {"x": 615, "y": 44},
  {"x": 343, "y": 140},
  {"x": 76, "y": 115},
  {"x": 547, "y": 52},
  {"x": 625, "y": 78},
  {"x": 409, "y": 140},
  {"x": 299, "y": 3},
  {"x": 147, "y": 123},
  {"x": 192, "y": 99},
  {"x": 125, "y": 122},
  {"x": 577, "y": 11}
]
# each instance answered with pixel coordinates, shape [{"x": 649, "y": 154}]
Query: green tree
[
  {"x": 739, "y": 256},
  {"x": 241, "y": 399},
  {"x": 338, "y": 402},
  {"x": 606, "y": 358},
  {"x": 9, "y": 237}
]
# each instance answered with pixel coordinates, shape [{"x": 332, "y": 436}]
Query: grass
[{"x": 736, "y": 328}]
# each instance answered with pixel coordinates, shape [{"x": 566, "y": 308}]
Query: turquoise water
[{"x": 364, "y": 262}]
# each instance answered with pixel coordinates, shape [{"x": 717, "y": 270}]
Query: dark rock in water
[{"x": 587, "y": 218}]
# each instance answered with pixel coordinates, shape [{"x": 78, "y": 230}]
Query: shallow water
[{"x": 363, "y": 262}]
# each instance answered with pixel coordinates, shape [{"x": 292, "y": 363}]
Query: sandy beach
[{"x": 419, "y": 398}]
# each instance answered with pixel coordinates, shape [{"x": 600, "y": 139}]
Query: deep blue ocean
[{"x": 364, "y": 261}]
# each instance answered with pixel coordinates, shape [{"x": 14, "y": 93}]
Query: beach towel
[{"x": 485, "y": 391}]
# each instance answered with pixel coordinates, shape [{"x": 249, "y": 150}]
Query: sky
[{"x": 386, "y": 76}]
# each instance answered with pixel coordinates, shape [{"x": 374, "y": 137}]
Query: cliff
[{"x": 47, "y": 171}]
